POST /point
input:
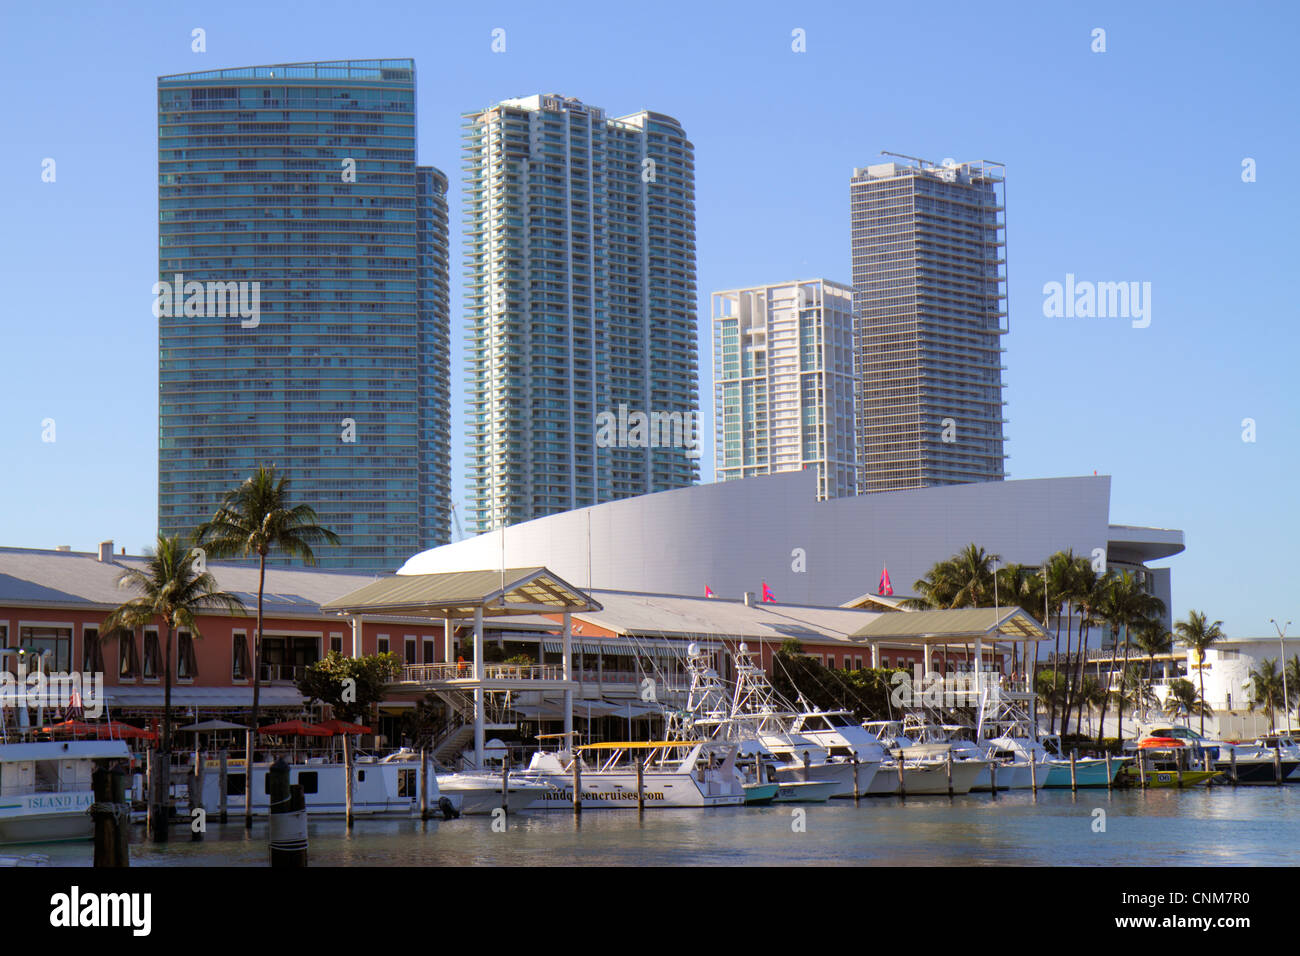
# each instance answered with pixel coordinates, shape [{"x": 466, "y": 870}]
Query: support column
[
  {"x": 447, "y": 633},
  {"x": 567, "y": 649},
  {"x": 479, "y": 715},
  {"x": 928, "y": 667},
  {"x": 979, "y": 669},
  {"x": 356, "y": 636},
  {"x": 875, "y": 654}
]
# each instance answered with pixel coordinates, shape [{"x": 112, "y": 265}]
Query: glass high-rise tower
[
  {"x": 294, "y": 190},
  {"x": 929, "y": 274},
  {"x": 783, "y": 382},
  {"x": 580, "y": 257}
]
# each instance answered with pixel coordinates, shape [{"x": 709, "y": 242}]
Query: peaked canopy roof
[
  {"x": 460, "y": 593},
  {"x": 957, "y": 626}
]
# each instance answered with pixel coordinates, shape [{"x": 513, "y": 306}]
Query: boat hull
[
  {"x": 930, "y": 779},
  {"x": 1088, "y": 772},
  {"x": 839, "y": 774},
  {"x": 479, "y": 796},
  {"x": 46, "y": 817},
  {"x": 605, "y": 790},
  {"x": 1257, "y": 771},
  {"x": 805, "y": 791}
]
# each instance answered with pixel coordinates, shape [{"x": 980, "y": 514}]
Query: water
[{"x": 1197, "y": 827}]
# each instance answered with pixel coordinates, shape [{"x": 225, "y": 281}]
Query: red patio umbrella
[
  {"x": 344, "y": 727},
  {"x": 112, "y": 730},
  {"x": 295, "y": 728}
]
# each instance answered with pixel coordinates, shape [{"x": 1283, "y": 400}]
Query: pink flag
[
  {"x": 885, "y": 588},
  {"x": 767, "y": 593},
  {"x": 708, "y": 591}
]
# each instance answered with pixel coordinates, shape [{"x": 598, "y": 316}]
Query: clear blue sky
[{"x": 1122, "y": 165}]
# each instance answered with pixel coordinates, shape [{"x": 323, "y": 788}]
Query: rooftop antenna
[{"x": 915, "y": 159}]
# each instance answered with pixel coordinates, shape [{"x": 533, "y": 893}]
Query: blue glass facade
[{"x": 302, "y": 180}]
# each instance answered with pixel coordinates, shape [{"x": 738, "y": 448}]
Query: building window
[
  {"x": 187, "y": 665},
  {"x": 92, "y": 653},
  {"x": 336, "y": 643},
  {"x": 410, "y": 649},
  {"x": 857, "y": 662},
  {"x": 428, "y": 650},
  {"x": 128, "y": 656},
  {"x": 884, "y": 662},
  {"x": 152, "y": 656},
  {"x": 285, "y": 658},
  {"x": 383, "y": 644},
  {"x": 239, "y": 666},
  {"x": 56, "y": 640}
]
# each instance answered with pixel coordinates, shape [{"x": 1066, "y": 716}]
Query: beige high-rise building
[{"x": 783, "y": 382}]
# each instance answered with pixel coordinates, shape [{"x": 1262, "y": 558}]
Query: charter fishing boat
[
  {"x": 381, "y": 786},
  {"x": 1013, "y": 770},
  {"x": 45, "y": 788},
  {"x": 674, "y": 773},
  {"x": 924, "y": 767},
  {"x": 1252, "y": 763},
  {"x": 1166, "y": 763}
]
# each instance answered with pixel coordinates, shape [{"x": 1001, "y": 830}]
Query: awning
[
  {"x": 458, "y": 594},
  {"x": 203, "y": 697},
  {"x": 957, "y": 626}
]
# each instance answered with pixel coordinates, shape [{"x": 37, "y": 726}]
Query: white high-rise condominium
[
  {"x": 929, "y": 274},
  {"x": 783, "y": 382},
  {"x": 580, "y": 299}
]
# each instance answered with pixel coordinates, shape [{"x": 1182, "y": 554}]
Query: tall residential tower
[
  {"x": 783, "y": 382},
  {"x": 580, "y": 300},
  {"x": 294, "y": 190},
  {"x": 929, "y": 274}
]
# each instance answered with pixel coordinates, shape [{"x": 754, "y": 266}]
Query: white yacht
[
  {"x": 924, "y": 766},
  {"x": 674, "y": 773},
  {"x": 45, "y": 788}
]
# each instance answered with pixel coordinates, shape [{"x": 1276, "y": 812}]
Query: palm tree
[
  {"x": 255, "y": 519},
  {"x": 1125, "y": 604},
  {"x": 936, "y": 590},
  {"x": 1019, "y": 586},
  {"x": 1087, "y": 593},
  {"x": 1266, "y": 691},
  {"x": 1292, "y": 685},
  {"x": 1198, "y": 635},
  {"x": 1152, "y": 638},
  {"x": 1057, "y": 585},
  {"x": 1184, "y": 700},
  {"x": 173, "y": 591}
]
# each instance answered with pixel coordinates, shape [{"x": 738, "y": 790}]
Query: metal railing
[{"x": 464, "y": 670}]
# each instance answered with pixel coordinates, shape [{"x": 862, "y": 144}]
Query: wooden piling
[
  {"x": 248, "y": 778},
  {"x": 993, "y": 778},
  {"x": 222, "y": 798},
  {"x": 1233, "y": 766},
  {"x": 106, "y": 813},
  {"x": 806, "y": 762},
  {"x": 505, "y": 783},
  {"x": 577, "y": 786},
  {"x": 1033, "y": 775},
  {"x": 288, "y": 820},
  {"x": 902, "y": 786},
  {"x": 947, "y": 763},
  {"x": 1109, "y": 776},
  {"x": 1142, "y": 770},
  {"x": 424, "y": 784},
  {"x": 196, "y": 796},
  {"x": 1074, "y": 776},
  {"x": 1277, "y": 766},
  {"x": 640, "y": 785},
  {"x": 856, "y": 795},
  {"x": 348, "y": 780}
]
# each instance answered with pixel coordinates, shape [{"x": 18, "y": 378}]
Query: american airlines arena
[{"x": 732, "y": 537}]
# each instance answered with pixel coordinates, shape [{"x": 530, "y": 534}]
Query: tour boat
[
  {"x": 674, "y": 773},
  {"x": 45, "y": 788},
  {"x": 388, "y": 786}
]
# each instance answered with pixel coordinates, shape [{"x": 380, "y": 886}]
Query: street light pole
[{"x": 1281, "y": 648}]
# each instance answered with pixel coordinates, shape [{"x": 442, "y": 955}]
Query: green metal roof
[
  {"x": 957, "y": 626},
  {"x": 459, "y": 593}
]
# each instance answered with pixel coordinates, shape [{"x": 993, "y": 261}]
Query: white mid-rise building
[{"x": 783, "y": 382}]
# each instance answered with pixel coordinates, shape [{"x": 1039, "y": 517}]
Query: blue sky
[{"x": 1122, "y": 166}]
